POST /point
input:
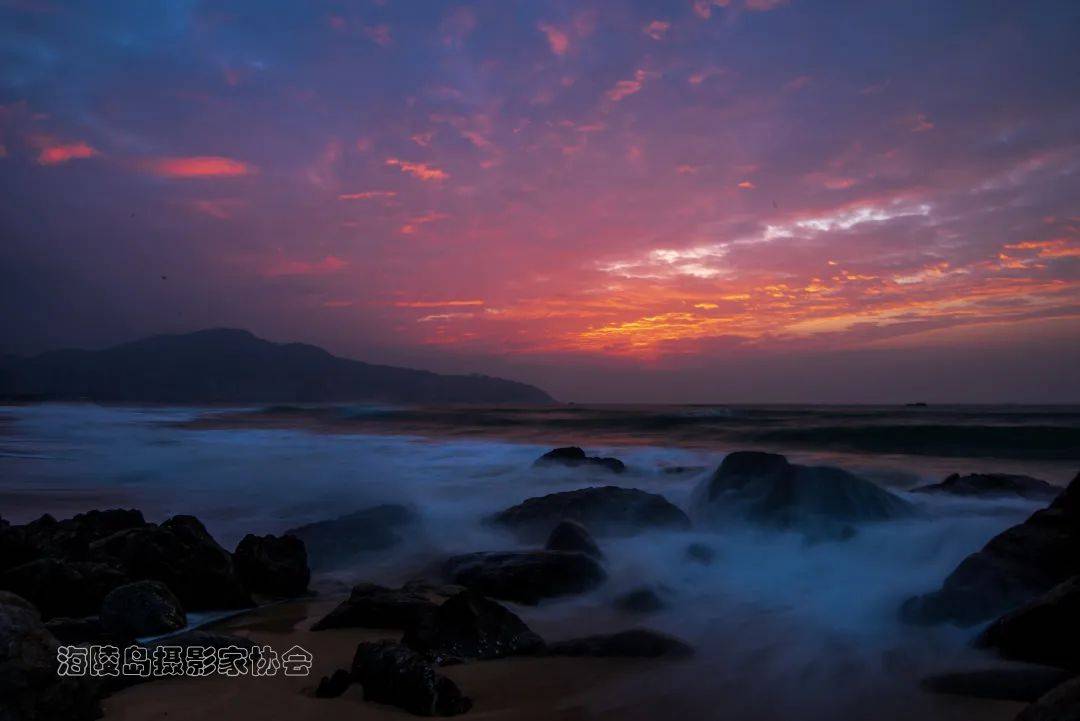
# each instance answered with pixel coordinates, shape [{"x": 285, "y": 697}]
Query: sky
[{"x": 617, "y": 200}]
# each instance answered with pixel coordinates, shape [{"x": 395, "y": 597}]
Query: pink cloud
[
  {"x": 746, "y": 185},
  {"x": 379, "y": 34},
  {"x": 798, "y": 83},
  {"x": 368, "y": 195},
  {"x": 419, "y": 170},
  {"x": 198, "y": 166},
  {"x": 558, "y": 40},
  {"x": 625, "y": 88},
  {"x": 657, "y": 29},
  {"x": 414, "y": 223},
  {"x": 219, "y": 208},
  {"x": 54, "y": 152},
  {"x": 284, "y": 268},
  {"x": 919, "y": 123}
]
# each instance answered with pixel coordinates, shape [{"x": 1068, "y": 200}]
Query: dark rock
[
  {"x": 272, "y": 565},
  {"x": 606, "y": 510},
  {"x": 638, "y": 642},
  {"x": 1003, "y": 684},
  {"x": 81, "y": 630},
  {"x": 572, "y": 536},
  {"x": 640, "y": 600},
  {"x": 373, "y": 606},
  {"x": 143, "y": 608},
  {"x": 700, "y": 553},
  {"x": 30, "y": 689},
  {"x": 820, "y": 501},
  {"x": 342, "y": 541},
  {"x": 207, "y": 639},
  {"x": 61, "y": 587},
  {"x": 471, "y": 626},
  {"x": 1013, "y": 568},
  {"x": 394, "y": 674},
  {"x": 69, "y": 539},
  {"x": 525, "y": 576},
  {"x": 1061, "y": 704},
  {"x": 993, "y": 484},
  {"x": 1045, "y": 631},
  {"x": 572, "y": 456},
  {"x": 333, "y": 685}
]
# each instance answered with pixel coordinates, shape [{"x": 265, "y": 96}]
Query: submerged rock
[
  {"x": 572, "y": 536},
  {"x": 59, "y": 587},
  {"x": 991, "y": 485},
  {"x": 344, "y": 540},
  {"x": 640, "y": 600},
  {"x": 638, "y": 642},
  {"x": 143, "y": 608},
  {"x": 606, "y": 510},
  {"x": 1014, "y": 567},
  {"x": 395, "y": 674},
  {"x": 525, "y": 576},
  {"x": 373, "y": 606},
  {"x": 1045, "y": 631},
  {"x": 700, "y": 553},
  {"x": 1060, "y": 704},
  {"x": 573, "y": 456},
  {"x": 471, "y": 626},
  {"x": 276, "y": 566},
  {"x": 1003, "y": 684}
]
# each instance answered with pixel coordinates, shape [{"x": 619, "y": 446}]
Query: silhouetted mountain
[{"x": 226, "y": 365}]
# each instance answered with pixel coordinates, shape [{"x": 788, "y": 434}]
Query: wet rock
[
  {"x": 700, "y": 553},
  {"x": 640, "y": 600},
  {"x": 273, "y": 566},
  {"x": 1061, "y": 704},
  {"x": 606, "y": 510},
  {"x": 1045, "y": 630},
  {"x": 333, "y": 685},
  {"x": 525, "y": 576},
  {"x": 993, "y": 485},
  {"x": 394, "y": 674},
  {"x": 1013, "y": 568},
  {"x": 80, "y": 630},
  {"x": 143, "y": 608},
  {"x": 1003, "y": 684},
  {"x": 638, "y": 642},
  {"x": 68, "y": 539},
  {"x": 373, "y": 606},
  {"x": 61, "y": 587},
  {"x": 469, "y": 626},
  {"x": 572, "y": 536},
  {"x": 346, "y": 539},
  {"x": 572, "y": 456}
]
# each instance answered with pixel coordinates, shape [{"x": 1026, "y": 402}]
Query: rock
[
  {"x": 820, "y": 501},
  {"x": 373, "y": 606},
  {"x": 1061, "y": 704},
  {"x": 143, "y": 608},
  {"x": 640, "y": 600},
  {"x": 606, "y": 510},
  {"x": 81, "y": 630},
  {"x": 572, "y": 536},
  {"x": 638, "y": 642},
  {"x": 344, "y": 540},
  {"x": 525, "y": 576},
  {"x": 572, "y": 456},
  {"x": 1003, "y": 684},
  {"x": 68, "y": 539},
  {"x": 333, "y": 685},
  {"x": 394, "y": 674},
  {"x": 30, "y": 689},
  {"x": 273, "y": 566},
  {"x": 700, "y": 553},
  {"x": 1013, "y": 568},
  {"x": 182, "y": 555},
  {"x": 471, "y": 626},
  {"x": 207, "y": 639},
  {"x": 1045, "y": 630},
  {"x": 993, "y": 484},
  {"x": 62, "y": 587}
]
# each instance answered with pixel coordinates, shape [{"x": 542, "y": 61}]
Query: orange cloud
[
  {"x": 413, "y": 224},
  {"x": 198, "y": 166},
  {"x": 436, "y": 303},
  {"x": 624, "y": 88},
  {"x": 746, "y": 185},
  {"x": 283, "y": 268},
  {"x": 558, "y": 40},
  {"x": 657, "y": 29},
  {"x": 368, "y": 195},
  {"x": 419, "y": 170},
  {"x": 54, "y": 152}
]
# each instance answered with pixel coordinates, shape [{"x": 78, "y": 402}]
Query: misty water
[{"x": 781, "y": 625}]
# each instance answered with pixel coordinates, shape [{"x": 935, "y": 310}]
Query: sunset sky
[{"x": 744, "y": 200}]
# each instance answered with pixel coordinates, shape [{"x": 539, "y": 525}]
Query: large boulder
[
  {"x": 30, "y": 688},
  {"x": 992, "y": 485},
  {"x": 572, "y": 536},
  {"x": 1014, "y": 567},
  {"x": 344, "y": 540},
  {"x": 606, "y": 510},
  {"x": 87, "y": 629},
  {"x": 143, "y": 608},
  {"x": 1044, "y": 631},
  {"x": 373, "y": 606},
  {"x": 469, "y": 626},
  {"x": 60, "y": 587},
  {"x": 572, "y": 457},
  {"x": 821, "y": 501},
  {"x": 68, "y": 539},
  {"x": 394, "y": 674},
  {"x": 1061, "y": 704},
  {"x": 638, "y": 642},
  {"x": 273, "y": 566},
  {"x": 525, "y": 576}
]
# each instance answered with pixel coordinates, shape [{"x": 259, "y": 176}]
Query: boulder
[
  {"x": 820, "y": 501},
  {"x": 333, "y": 685},
  {"x": 344, "y": 540},
  {"x": 1003, "y": 684},
  {"x": 638, "y": 642},
  {"x": 30, "y": 689},
  {"x": 394, "y": 674},
  {"x": 69, "y": 539},
  {"x": 992, "y": 485},
  {"x": 469, "y": 626},
  {"x": 606, "y": 510},
  {"x": 1045, "y": 630},
  {"x": 273, "y": 566},
  {"x": 60, "y": 587},
  {"x": 81, "y": 630},
  {"x": 1061, "y": 704},
  {"x": 525, "y": 576},
  {"x": 1014, "y": 567},
  {"x": 142, "y": 608},
  {"x": 572, "y": 536},
  {"x": 373, "y": 606},
  {"x": 572, "y": 457},
  {"x": 640, "y": 600}
]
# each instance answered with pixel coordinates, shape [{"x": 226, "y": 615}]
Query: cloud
[
  {"x": 422, "y": 171},
  {"x": 657, "y": 29},
  {"x": 704, "y": 8},
  {"x": 368, "y": 195},
  {"x": 919, "y": 123},
  {"x": 436, "y": 303},
  {"x": 558, "y": 40},
  {"x": 54, "y": 152},
  {"x": 797, "y": 83},
  {"x": 219, "y": 208},
  {"x": 286, "y": 267},
  {"x": 746, "y": 185},
  {"x": 197, "y": 166},
  {"x": 379, "y": 34},
  {"x": 764, "y": 5},
  {"x": 413, "y": 224},
  {"x": 625, "y": 88},
  {"x": 701, "y": 76}
]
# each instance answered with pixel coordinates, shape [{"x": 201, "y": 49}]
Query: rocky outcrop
[
  {"x": 81, "y": 630},
  {"x": 68, "y": 539},
  {"x": 640, "y": 600},
  {"x": 333, "y": 685},
  {"x": 1044, "y": 631},
  {"x": 272, "y": 565},
  {"x": 525, "y": 576},
  {"x": 606, "y": 510},
  {"x": 143, "y": 608},
  {"x": 572, "y": 457},
  {"x": 394, "y": 674},
  {"x": 1061, "y": 704},
  {"x": 638, "y": 642},
  {"x": 1026, "y": 683},
  {"x": 344, "y": 540},
  {"x": 373, "y": 606},
  {"x": 992, "y": 485},
  {"x": 1013, "y": 568},
  {"x": 60, "y": 587},
  {"x": 572, "y": 536},
  {"x": 469, "y": 626}
]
